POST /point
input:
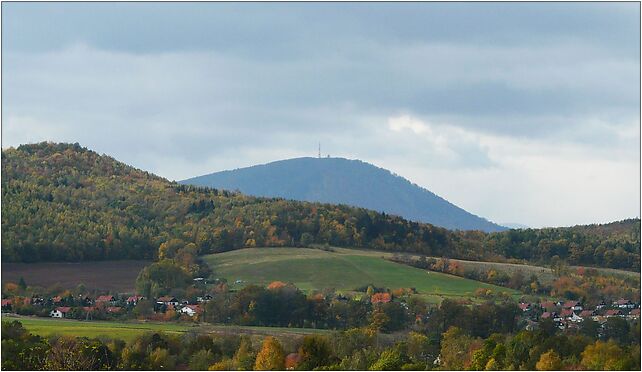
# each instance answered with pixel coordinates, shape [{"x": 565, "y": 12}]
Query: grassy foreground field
[
  {"x": 129, "y": 330},
  {"x": 343, "y": 269}
]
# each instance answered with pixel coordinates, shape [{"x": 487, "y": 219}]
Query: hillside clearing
[{"x": 342, "y": 269}]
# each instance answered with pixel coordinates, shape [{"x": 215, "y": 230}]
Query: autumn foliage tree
[{"x": 271, "y": 357}]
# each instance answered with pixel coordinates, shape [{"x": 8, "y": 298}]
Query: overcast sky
[{"x": 523, "y": 113}]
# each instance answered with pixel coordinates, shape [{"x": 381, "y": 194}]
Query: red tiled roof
[
  {"x": 114, "y": 309},
  {"x": 613, "y": 312},
  {"x": 566, "y": 312},
  {"x": 586, "y": 314},
  {"x": 135, "y": 298},
  {"x": 546, "y": 314},
  {"x": 64, "y": 309},
  {"x": 105, "y": 298},
  {"x": 569, "y": 304},
  {"x": 89, "y": 308},
  {"x": 622, "y": 301},
  {"x": 548, "y": 304},
  {"x": 6, "y": 302},
  {"x": 524, "y": 306},
  {"x": 167, "y": 299},
  {"x": 635, "y": 312}
]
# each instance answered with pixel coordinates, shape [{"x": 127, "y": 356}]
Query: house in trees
[
  {"x": 60, "y": 312},
  {"x": 573, "y": 305},
  {"x": 6, "y": 305},
  {"x": 601, "y": 305},
  {"x": 107, "y": 300},
  {"x": 191, "y": 310},
  {"x": 613, "y": 312},
  {"x": 167, "y": 301},
  {"x": 204, "y": 299},
  {"x": 133, "y": 300},
  {"x": 624, "y": 304},
  {"x": 586, "y": 314},
  {"x": 634, "y": 314}
]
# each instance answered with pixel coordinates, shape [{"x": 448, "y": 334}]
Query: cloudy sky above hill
[{"x": 521, "y": 112}]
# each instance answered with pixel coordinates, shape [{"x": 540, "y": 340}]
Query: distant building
[
  {"x": 60, "y": 312},
  {"x": 191, "y": 310}
]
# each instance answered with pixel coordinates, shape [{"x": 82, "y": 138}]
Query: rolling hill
[
  {"x": 341, "y": 269},
  {"x": 63, "y": 202},
  {"x": 350, "y": 182}
]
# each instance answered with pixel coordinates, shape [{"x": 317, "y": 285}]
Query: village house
[
  {"x": 524, "y": 306},
  {"x": 60, "y": 312},
  {"x": 202, "y": 299},
  {"x": 114, "y": 309},
  {"x": 86, "y": 301},
  {"x": 601, "y": 305},
  {"x": 573, "y": 305},
  {"x": 133, "y": 300},
  {"x": 167, "y": 301},
  {"x": 634, "y": 314},
  {"x": 6, "y": 305},
  {"x": 624, "y": 304},
  {"x": 107, "y": 299},
  {"x": 586, "y": 314},
  {"x": 548, "y": 306},
  {"x": 37, "y": 301},
  {"x": 191, "y": 310},
  {"x": 613, "y": 312}
]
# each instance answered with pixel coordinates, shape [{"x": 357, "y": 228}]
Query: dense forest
[{"x": 63, "y": 202}]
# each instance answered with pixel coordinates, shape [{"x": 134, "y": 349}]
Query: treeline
[
  {"x": 451, "y": 342},
  {"x": 62, "y": 202},
  {"x": 615, "y": 245}
]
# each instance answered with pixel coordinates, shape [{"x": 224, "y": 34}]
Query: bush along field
[{"x": 454, "y": 337}]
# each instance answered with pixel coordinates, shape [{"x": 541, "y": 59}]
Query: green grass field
[
  {"x": 129, "y": 330},
  {"x": 343, "y": 269}
]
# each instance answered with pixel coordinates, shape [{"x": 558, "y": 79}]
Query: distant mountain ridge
[{"x": 345, "y": 181}]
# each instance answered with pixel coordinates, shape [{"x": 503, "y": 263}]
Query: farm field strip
[{"x": 129, "y": 330}]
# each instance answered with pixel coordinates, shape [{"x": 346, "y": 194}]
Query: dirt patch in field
[{"x": 119, "y": 276}]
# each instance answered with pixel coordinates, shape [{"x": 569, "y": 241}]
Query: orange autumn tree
[{"x": 276, "y": 285}]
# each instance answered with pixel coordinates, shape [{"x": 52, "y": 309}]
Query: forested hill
[
  {"x": 62, "y": 202},
  {"x": 350, "y": 182}
]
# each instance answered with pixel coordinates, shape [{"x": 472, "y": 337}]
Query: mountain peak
[{"x": 345, "y": 181}]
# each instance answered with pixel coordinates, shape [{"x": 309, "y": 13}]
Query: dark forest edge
[{"x": 63, "y": 202}]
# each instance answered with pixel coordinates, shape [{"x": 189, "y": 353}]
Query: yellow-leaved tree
[{"x": 271, "y": 357}]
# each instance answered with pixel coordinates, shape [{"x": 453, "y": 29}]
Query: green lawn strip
[{"x": 129, "y": 330}]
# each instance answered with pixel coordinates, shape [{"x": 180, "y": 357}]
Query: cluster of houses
[
  {"x": 568, "y": 314},
  {"x": 64, "y": 307}
]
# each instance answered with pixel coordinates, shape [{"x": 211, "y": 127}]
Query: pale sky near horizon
[{"x": 517, "y": 112}]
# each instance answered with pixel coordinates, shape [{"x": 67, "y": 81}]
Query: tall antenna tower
[{"x": 319, "y": 150}]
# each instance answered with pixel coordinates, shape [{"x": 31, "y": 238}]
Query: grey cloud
[{"x": 184, "y": 89}]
